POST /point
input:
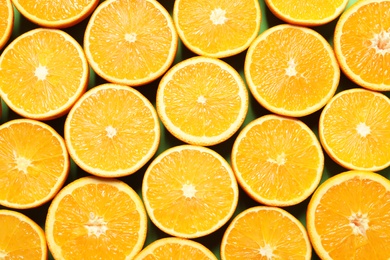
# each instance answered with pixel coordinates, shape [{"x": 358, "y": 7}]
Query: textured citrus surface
[
  {"x": 217, "y": 28},
  {"x": 21, "y": 237},
  {"x": 175, "y": 248},
  {"x": 42, "y": 73},
  {"x": 270, "y": 160},
  {"x": 6, "y": 21},
  {"x": 347, "y": 217},
  {"x": 94, "y": 218},
  {"x": 130, "y": 41},
  {"x": 34, "y": 163},
  {"x": 291, "y": 70},
  {"x": 112, "y": 130},
  {"x": 189, "y": 191},
  {"x": 263, "y": 232},
  {"x": 354, "y": 129},
  {"x": 202, "y": 100},
  {"x": 362, "y": 43}
]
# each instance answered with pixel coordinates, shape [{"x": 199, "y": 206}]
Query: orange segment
[
  {"x": 362, "y": 43},
  {"x": 94, "y": 218},
  {"x": 21, "y": 237},
  {"x": 6, "y": 21},
  {"x": 347, "y": 217},
  {"x": 202, "y": 100},
  {"x": 278, "y": 161},
  {"x": 217, "y": 28},
  {"x": 131, "y": 42},
  {"x": 354, "y": 129},
  {"x": 291, "y": 70},
  {"x": 112, "y": 131},
  {"x": 42, "y": 73},
  {"x": 263, "y": 232},
  {"x": 34, "y": 163},
  {"x": 189, "y": 191}
]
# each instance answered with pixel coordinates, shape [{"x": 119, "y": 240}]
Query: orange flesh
[{"x": 6, "y": 21}]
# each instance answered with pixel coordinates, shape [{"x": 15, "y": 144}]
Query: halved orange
[
  {"x": 189, "y": 191},
  {"x": 6, "y": 21},
  {"x": 348, "y": 217},
  {"x": 354, "y": 129},
  {"x": 175, "y": 248},
  {"x": 291, "y": 70},
  {"x": 362, "y": 43},
  {"x": 216, "y": 28},
  {"x": 277, "y": 160},
  {"x": 131, "y": 42},
  {"x": 21, "y": 237},
  {"x": 96, "y": 218},
  {"x": 112, "y": 131},
  {"x": 34, "y": 163},
  {"x": 202, "y": 100},
  {"x": 56, "y": 14},
  {"x": 42, "y": 73},
  {"x": 263, "y": 232}
]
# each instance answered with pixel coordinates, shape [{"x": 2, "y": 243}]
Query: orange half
[{"x": 6, "y": 21}]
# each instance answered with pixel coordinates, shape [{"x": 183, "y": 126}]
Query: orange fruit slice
[
  {"x": 306, "y": 12},
  {"x": 130, "y": 42},
  {"x": 34, "y": 163},
  {"x": 175, "y": 248},
  {"x": 42, "y": 73},
  {"x": 202, "y": 101},
  {"x": 277, "y": 160},
  {"x": 263, "y": 232},
  {"x": 96, "y": 218},
  {"x": 217, "y": 28},
  {"x": 362, "y": 43},
  {"x": 6, "y": 21},
  {"x": 194, "y": 178},
  {"x": 112, "y": 131},
  {"x": 56, "y": 14},
  {"x": 347, "y": 216},
  {"x": 21, "y": 237},
  {"x": 354, "y": 129},
  {"x": 291, "y": 70}
]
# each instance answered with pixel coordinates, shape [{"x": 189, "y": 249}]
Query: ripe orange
[
  {"x": 130, "y": 42},
  {"x": 202, "y": 101},
  {"x": 263, "y": 232},
  {"x": 217, "y": 28},
  {"x": 56, "y": 14},
  {"x": 34, "y": 163},
  {"x": 112, "y": 131},
  {"x": 277, "y": 160},
  {"x": 21, "y": 237},
  {"x": 354, "y": 129},
  {"x": 291, "y": 70},
  {"x": 362, "y": 43},
  {"x": 42, "y": 73},
  {"x": 347, "y": 217},
  {"x": 96, "y": 218},
  {"x": 189, "y": 191},
  {"x": 6, "y": 21}
]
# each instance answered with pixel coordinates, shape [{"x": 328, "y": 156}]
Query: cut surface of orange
[
  {"x": 131, "y": 42},
  {"x": 307, "y": 12},
  {"x": 362, "y": 43},
  {"x": 217, "y": 28},
  {"x": 6, "y": 21},
  {"x": 175, "y": 248},
  {"x": 96, "y": 218},
  {"x": 34, "y": 163},
  {"x": 189, "y": 191},
  {"x": 42, "y": 73},
  {"x": 277, "y": 160},
  {"x": 112, "y": 131},
  {"x": 347, "y": 217},
  {"x": 354, "y": 129},
  {"x": 56, "y": 14},
  {"x": 202, "y": 100},
  {"x": 21, "y": 237},
  {"x": 291, "y": 70},
  {"x": 263, "y": 232}
]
